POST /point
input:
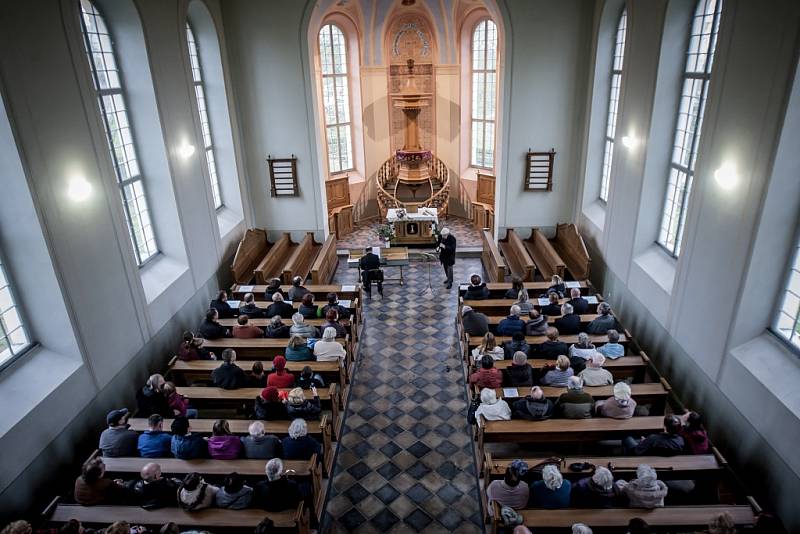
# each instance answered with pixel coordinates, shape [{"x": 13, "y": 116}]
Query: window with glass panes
[
  {"x": 787, "y": 323},
  {"x": 111, "y": 98},
  {"x": 13, "y": 336},
  {"x": 613, "y": 105},
  {"x": 336, "y": 98},
  {"x": 696, "y": 77},
  {"x": 200, "y": 94},
  {"x": 484, "y": 98}
]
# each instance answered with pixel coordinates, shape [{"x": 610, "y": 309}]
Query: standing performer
[{"x": 447, "y": 254}]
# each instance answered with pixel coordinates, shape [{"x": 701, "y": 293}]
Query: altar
[{"x": 413, "y": 228}]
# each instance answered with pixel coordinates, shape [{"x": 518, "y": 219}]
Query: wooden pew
[
  {"x": 493, "y": 263},
  {"x": 353, "y": 307},
  {"x": 517, "y": 259},
  {"x": 649, "y": 393},
  {"x": 202, "y": 369},
  {"x": 251, "y": 250},
  {"x": 272, "y": 265},
  {"x": 320, "y": 291},
  {"x": 261, "y": 322},
  {"x": 596, "y": 339},
  {"x": 494, "y": 320},
  {"x": 299, "y": 262},
  {"x": 498, "y": 289},
  {"x": 621, "y": 368},
  {"x": 324, "y": 266},
  {"x": 544, "y": 255},
  {"x": 502, "y": 306},
  {"x": 248, "y": 349},
  {"x": 569, "y": 245}
]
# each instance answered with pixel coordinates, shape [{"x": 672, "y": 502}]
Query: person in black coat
[
  {"x": 210, "y": 327},
  {"x": 579, "y": 304},
  {"x": 552, "y": 348},
  {"x": 276, "y": 328},
  {"x": 221, "y": 305},
  {"x": 569, "y": 323},
  {"x": 273, "y": 287},
  {"x": 369, "y": 262},
  {"x": 554, "y": 308},
  {"x": 277, "y": 493},
  {"x": 447, "y": 254},
  {"x": 150, "y": 399},
  {"x": 250, "y": 309},
  {"x": 475, "y": 323},
  {"x": 229, "y": 375},
  {"x": 333, "y": 302},
  {"x": 477, "y": 289},
  {"x": 279, "y": 307}
]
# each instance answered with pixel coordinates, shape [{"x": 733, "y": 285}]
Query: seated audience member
[
  {"x": 508, "y": 491},
  {"x": 487, "y": 376},
  {"x": 118, "y": 440},
  {"x": 153, "y": 491},
  {"x": 575, "y": 403},
  {"x": 620, "y": 406},
  {"x": 221, "y": 305},
  {"x": 525, "y": 305},
  {"x": 552, "y": 491},
  {"x": 520, "y": 372},
  {"x": 259, "y": 445},
  {"x": 191, "y": 348},
  {"x": 223, "y": 445},
  {"x": 298, "y": 406},
  {"x": 269, "y": 406},
  {"x": 308, "y": 379},
  {"x": 557, "y": 374},
  {"x": 722, "y": 523},
  {"x": 516, "y": 286},
  {"x": 92, "y": 489},
  {"x": 475, "y": 323},
  {"x": 554, "y": 308},
  {"x": 644, "y": 491},
  {"x": 332, "y": 321},
  {"x": 307, "y": 308},
  {"x": 177, "y": 402},
  {"x": 579, "y": 304},
  {"x": 234, "y": 494},
  {"x": 249, "y": 307},
  {"x": 556, "y": 286},
  {"x": 23, "y": 527},
  {"x": 297, "y": 291},
  {"x": 534, "y": 407},
  {"x": 612, "y": 350},
  {"x": 210, "y": 327},
  {"x": 195, "y": 493},
  {"x": 666, "y": 443},
  {"x": 298, "y": 445},
  {"x": 517, "y": 344},
  {"x": 277, "y": 493},
  {"x": 257, "y": 377},
  {"x": 279, "y": 307},
  {"x": 569, "y": 323},
  {"x": 150, "y": 399},
  {"x": 492, "y": 408},
  {"x": 274, "y": 286},
  {"x": 596, "y": 491},
  {"x": 297, "y": 350},
  {"x": 488, "y": 347},
  {"x": 333, "y": 304},
  {"x": 637, "y": 525},
  {"x": 476, "y": 290},
  {"x": 280, "y": 377},
  {"x": 594, "y": 374},
  {"x": 154, "y": 442},
  {"x": 552, "y": 348},
  {"x": 276, "y": 329},
  {"x": 245, "y": 330},
  {"x": 537, "y": 326},
  {"x": 583, "y": 349},
  {"x": 328, "y": 349},
  {"x": 185, "y": 445},
  {"x": 604, "y": 322},
  {"x": 581, "y": 528},
  {"x": 301, "y": 328},
  {"x": 229, "y": 375},
  {"x": 511, "y": 324},
  {"x": 694, "y": 435}
]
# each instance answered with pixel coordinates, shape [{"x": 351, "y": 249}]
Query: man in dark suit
[
  {"x": 579, "y": 304},
  {"x": 370, "y": 262},
  {"x": 249, "y": 307},
  {"x": 279, "y": 307},
  {"x": 447, "y": 254},
  {"x": 569, "y": 323}
]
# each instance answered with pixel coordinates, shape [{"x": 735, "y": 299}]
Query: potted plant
[{"x": 386, "y": 233}]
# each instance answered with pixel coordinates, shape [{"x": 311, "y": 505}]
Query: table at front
[
  {"x": 413, "y": 228},
  {"x": 390, "y": 257}
]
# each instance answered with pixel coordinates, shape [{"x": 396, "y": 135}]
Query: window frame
[
  {"x": 609, "y": 144},
  {"x": 792, "y": 260},
  {"x": 15, "y": 303},
  {"x": 346, "y": 77},
  {"x": 688, "y": 171},
  {"x": 484, "y": 71}
]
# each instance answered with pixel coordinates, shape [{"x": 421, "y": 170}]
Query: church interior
[{"x": 399, "y": 266}]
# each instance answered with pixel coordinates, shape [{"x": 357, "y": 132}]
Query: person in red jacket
[
  {"x": 487, "y": 376},
  {"x": 695, "y": 438},
  {"x": 281, "y": 378}
]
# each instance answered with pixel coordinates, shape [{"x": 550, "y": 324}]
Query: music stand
[{"x": 428, "y": 257}]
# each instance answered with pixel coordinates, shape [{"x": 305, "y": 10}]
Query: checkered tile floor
[
  {"x": 365, "y": 235},
  {"x": 405, "y": 460}
]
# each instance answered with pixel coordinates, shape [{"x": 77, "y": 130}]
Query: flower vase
[{"x": 387, "y": 243}]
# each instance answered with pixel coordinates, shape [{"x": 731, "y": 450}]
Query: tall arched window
[
  {"x": 336, "y": 98},
  {"x": 13, "y": 336},
  {"x": 111, "y": 98},
  {"x": 613, "y": 105},
  {"x": 787, "y": 324},
  {"x": 199, "y": 91},
  {"x": 697, "y": 74},
  {"x": 484, "y": 97}
]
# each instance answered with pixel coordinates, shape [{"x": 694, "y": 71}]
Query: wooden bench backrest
[
  {"x": 649, "y": 390},
  {"x": 272, "y": 264},
  {"x": 493, "y": 262},
  {"x": 596, "y": 339},
  {"x": 251, "y": 250},
  {"x": 325, "y": 264},
  {"x": 303, "y": 255},
  {"x": 174, "y": 466},
  {"x": 544, "y": 255},
  {"x": 518, "y": 260},
  {"x": 570, "y": 246}
]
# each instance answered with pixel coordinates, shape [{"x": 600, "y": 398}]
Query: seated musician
[
  {"x": 368, "y": 263},
  {"x": 477, "y": 289}
]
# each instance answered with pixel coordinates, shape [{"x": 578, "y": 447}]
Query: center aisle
[{"x": 405, "y": 461}]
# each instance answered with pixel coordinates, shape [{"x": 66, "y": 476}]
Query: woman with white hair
[
  {"x": 596, "y": 491},
  {"x": 328, "y": 349},
  {"x": 277, "y": 493},
  {"x": 620, "y": 406},
  {"x": 260, "y": 445},
  {"x": 604, "y": 322},
  {"x": 488, "y": 347},
  {"x": 492, "y": 408},
  {"x": 298, "y": 445},
  {"x": 644, "y": 491},
  {"x": 552, "y": 491},
  {"x": 297, "y": 405},
  {"x": 151, "y": 399},
  {"x": 594, "y": 374},
  {"x": 301, "y": 328},
  {"x": 581, "y": 528},
  {"x": 558, "y": 374}
]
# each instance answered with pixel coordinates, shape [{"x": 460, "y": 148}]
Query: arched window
[
  {"x": 697, "y": 74},
  {"x": 13, "y": 336},
  {"x": 484, "y": 97},
  {"x": 613, "y": 105},
  {"x": 336, "y": 98},
  {"x": 199, "y": 91},
  {"x": 787, "y": 324},
  {"x": 111, "y": 98}
]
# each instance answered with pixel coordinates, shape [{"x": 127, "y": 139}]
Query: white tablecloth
[{"x": 424, "y": 214}]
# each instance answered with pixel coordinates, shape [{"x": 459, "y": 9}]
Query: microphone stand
[{"x": 428, "y": 258}]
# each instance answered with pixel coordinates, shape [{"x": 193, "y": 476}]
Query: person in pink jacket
[{"x": 223, "y": 445}]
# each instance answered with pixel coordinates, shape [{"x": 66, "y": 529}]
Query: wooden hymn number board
[
  {"x": 539, "y": 171},
  {"x": 283, "y": 176}
]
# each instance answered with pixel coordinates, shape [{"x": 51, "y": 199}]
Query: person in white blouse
[{"x": 328, "y": 349}]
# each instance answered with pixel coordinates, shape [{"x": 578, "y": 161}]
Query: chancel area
[{"x": 329, "y": 266}]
